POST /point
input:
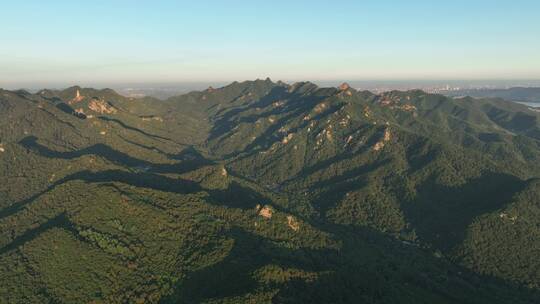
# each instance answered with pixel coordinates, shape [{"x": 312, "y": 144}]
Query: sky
[{"x": 60, "y": 43}]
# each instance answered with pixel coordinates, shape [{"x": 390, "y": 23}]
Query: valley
[{"x": 268, "y": 192}]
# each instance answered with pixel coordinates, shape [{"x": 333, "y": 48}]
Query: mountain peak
[
  {"x": 302, "y": 87},
  {"x": 344, "y": 86}
]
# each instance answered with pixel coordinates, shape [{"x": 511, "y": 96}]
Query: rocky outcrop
[
  {"x": 78, "y": 97},
  {"x": 380, "y": 144},
  {"x": 320, "y": 107},
  {"x": 344, "y": 86},
  {"x": 395, "y": 103},
  {"x": 293, "y": 223},
  {"x": 100, "y": 106},
  {"x": 287, "y": 138},
  {"x": 265, "y": 211},
  {"x": 278, "y": 104},
  {"x": 408, "y": 108}
]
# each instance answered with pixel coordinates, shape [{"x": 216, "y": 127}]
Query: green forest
[{"x": 265, "y": 192}]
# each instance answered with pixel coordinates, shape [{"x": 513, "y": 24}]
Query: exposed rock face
[
  {"x": 278, "y": 104},
  {"x": 387, "y": 135},
  {"x": 386, "y": 102},
  {"x": 2, "y": 148},
  {"x": 320, "y": 107},
  {"x": 287, "y": 138},
  {"x": 293, "y": 223},
  {"x": 395, "y": 103},
  {"x": 265, "y": 211},
  {"x": 329, "y": 135},
  {"x": 344, "y": 86},
  {"x": 408, "y": 107},
  {"x": 380, "y": 144},
  {"x": 78, "y": 98},
  {"x": 345, "y": 89},
  {"x": 505, "y": 216},
  {"x": 101, "y": 106},
  {"x": 367, "y": 112}
]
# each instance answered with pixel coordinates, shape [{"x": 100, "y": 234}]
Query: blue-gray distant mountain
[{"x": 513, "y": 94}]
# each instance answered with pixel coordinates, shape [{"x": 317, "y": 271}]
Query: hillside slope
[{"x": 266, "y": 192}]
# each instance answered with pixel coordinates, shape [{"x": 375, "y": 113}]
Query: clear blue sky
[{"x": 166, "y": 41}]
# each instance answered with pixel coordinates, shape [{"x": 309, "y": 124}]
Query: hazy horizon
[{"x": 197, "y": 85}]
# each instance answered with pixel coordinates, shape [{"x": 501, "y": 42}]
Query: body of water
[{"x": 530, "y": 104}]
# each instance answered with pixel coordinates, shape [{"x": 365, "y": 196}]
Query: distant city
[{"x": 441, "y": 87}]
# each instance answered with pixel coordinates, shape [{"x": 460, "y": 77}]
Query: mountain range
[{"x": 267, "y": 192}]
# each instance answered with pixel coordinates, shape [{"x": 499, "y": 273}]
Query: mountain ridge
[{"x": 267, "y": 190}]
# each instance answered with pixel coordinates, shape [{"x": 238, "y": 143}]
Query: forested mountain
[{"x": 265, "y": 192}]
